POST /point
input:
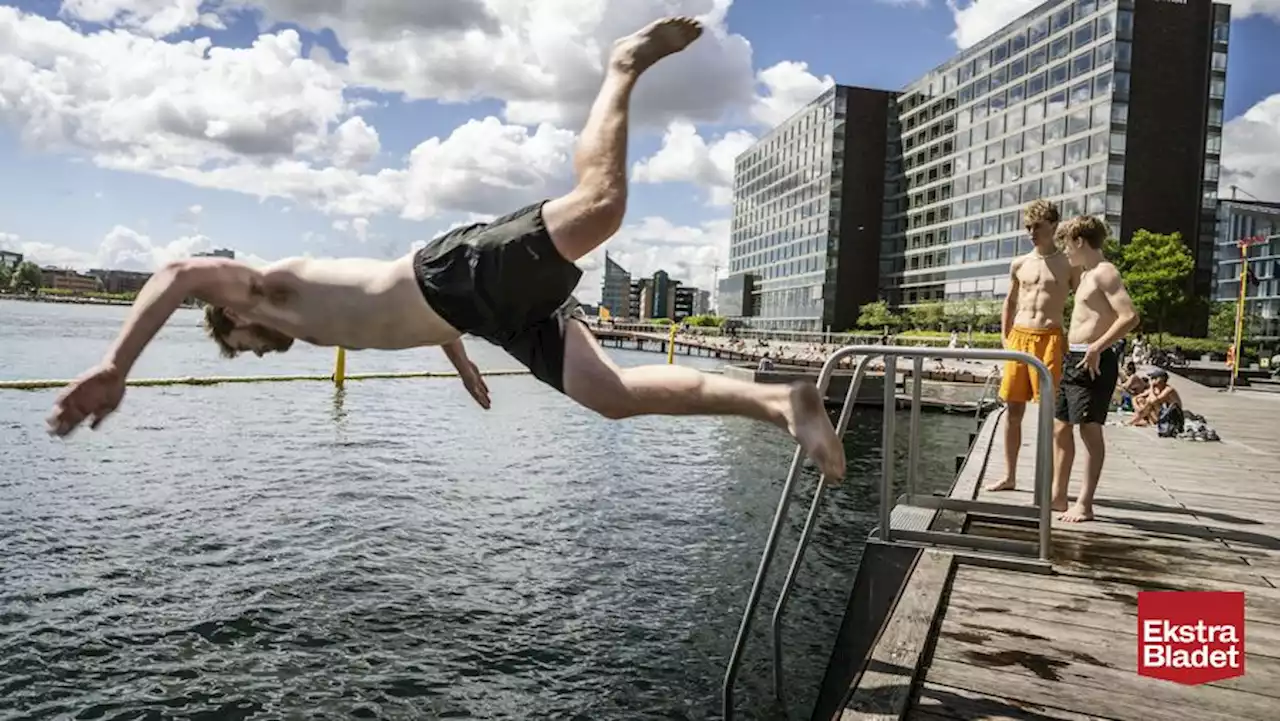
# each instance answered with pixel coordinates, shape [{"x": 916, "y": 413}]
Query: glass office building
[
  {"x": 1242, "y": 219},
  {"x": 1044, "y": 109},
  {"x": 797, "y": 245},
  {"x": 1106, "y": 107}
]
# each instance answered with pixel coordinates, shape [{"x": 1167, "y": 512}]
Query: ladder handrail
[{"x": 890, "y": 354}]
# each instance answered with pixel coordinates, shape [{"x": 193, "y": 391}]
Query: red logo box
[{"x": 1191, "y": 637}]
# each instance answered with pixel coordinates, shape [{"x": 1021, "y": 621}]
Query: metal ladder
[{"x": 974, "y": 548}]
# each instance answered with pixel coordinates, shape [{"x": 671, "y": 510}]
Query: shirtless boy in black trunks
[
  {"x": 1102, "y": 315},
  {"x": 509, "y": 282}
]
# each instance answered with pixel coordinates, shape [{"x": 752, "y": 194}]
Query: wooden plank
[
  {"x": 1105, "y": 692},
  {"x": 948, "y": 702},
  {"x": 884, "y": 691},
  {"x": 966, "y": 634},
  {"x": 1068, "y": 596}
]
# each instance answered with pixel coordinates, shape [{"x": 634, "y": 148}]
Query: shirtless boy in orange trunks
[{"x": 1039, "y": 283}]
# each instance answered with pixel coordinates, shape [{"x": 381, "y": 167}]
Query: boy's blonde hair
[
  {"x": 1089, "y": 228},
  {"x": 1038, "y": 210}
]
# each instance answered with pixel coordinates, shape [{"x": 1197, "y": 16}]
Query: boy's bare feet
[
  {"x": 1077, "y": 514},
  {"x": 638, "y": 52},
  {"x": 1007, "y": 484},
  {"x": 808, "y": 423}
]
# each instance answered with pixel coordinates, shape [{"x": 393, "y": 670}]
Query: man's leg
[
  {"x": 593, "y": 380},
  {"x": 581, "y": 221},
  {"x": 1014, "y": 411},
  {"x": 1064, "y": 456},
  {"x": 1095, "y": 449}
]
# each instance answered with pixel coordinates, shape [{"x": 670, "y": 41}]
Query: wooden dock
[{"x": 971, "y": 642}]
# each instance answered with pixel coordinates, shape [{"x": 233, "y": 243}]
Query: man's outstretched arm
[{"x": 219, "y": 281}]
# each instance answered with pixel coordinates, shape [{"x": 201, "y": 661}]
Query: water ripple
[{"x": 392, "y": 551}]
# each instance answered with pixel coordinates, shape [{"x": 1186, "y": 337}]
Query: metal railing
[{"x": 1040, "y": 510}]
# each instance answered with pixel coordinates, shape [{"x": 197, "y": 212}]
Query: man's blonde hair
[
  {"x": 1038, "y": 210},
  {"x": 1089, "y": 228}
]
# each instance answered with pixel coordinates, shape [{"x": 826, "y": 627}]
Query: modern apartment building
[
  {"x": 806, "y": 215},
  {"x": 10, "y": 259},
  {"x": 1240, "y": 219},
  {"x": 1107, "y": 107}
]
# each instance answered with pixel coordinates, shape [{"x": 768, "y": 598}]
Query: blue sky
[{"x": 126, "y": 142}]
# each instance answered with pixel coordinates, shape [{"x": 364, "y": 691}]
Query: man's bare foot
[
  {"x": 638, "y": 52},
  {"x": 1008, "y": 484},
  {"x": 808, "y": 423},
  {"x": 1077, "y": 514}
]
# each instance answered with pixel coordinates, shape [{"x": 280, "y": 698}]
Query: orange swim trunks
[{"x": 1020, "y": 383}]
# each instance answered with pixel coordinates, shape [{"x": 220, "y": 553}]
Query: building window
[
  {"x": 1058, "y": 75},
  {"x": 1097, "y": 175},
  {"x": 1084, "y": 35},
  {"x": 1018, "y": 42},
  {"x": 1075, "y": 180},
  {"x": 1120, "y": 115},
  {"x": 1013, "y": 145},
  {"x": 1055, "y": 130},
  {"x": 1031, "y": 190},
  {"x": 1219, "y": 60},
  {"x": 1213, "y": 143},
  {"x": 1082, "y": 64},
  {"x": 1103, "y": 53},
  {"x": 1217, "y": 88},
  {"x": 1060, "y": 48},
  {"x": 1054, "y": 157},
  {"x": 1124, "y": 55},
  {"x": 1115, "y": 173},
  {"x": 1000, "y": 53},
  {"x": 1104, "y": 26},
  {"x": 1115, "y": 203},
  {"x": 1124, "y": 25},
  {"x": 1035, "y": 113},
  {"x": 1121, "y": 81},
  {"x": 1082, "y": 93},
  {"x": 1017, "y": 93},
  {"x": 1061, "y": 19},
  {"x": 1077, "y": 151},
  {"x": 1101, "y": 115},
  {"x": 1096, "y": 204},
  {"x": 1053, "y": 184},
  {"x": 1039, "y": 58},
  {"x": 1035, "y": 85},
  {"x": 1039, "y": 30},
  {"x": 1014, "y": 119},
  {"x": 1033, "y": 163}
]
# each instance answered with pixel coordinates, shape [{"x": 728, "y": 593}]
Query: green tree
[
  {"x": 1155, "y": 269},
  {"x": 1222, "y": 321},
  {"x": 878, "y": 315},
  {"x": 927, "y": 316},
  {"x": 6, "y": 277},
  {"x": 26, "y": 278}
]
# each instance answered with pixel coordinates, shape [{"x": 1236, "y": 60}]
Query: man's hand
[
  {"x": 474, "y": 383},
  {"x": 94, "y": 395},
  {"x": 1090, "y": 362}
]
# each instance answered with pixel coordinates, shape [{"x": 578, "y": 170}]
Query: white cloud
[
  {"x": 544, "y": 61},
  {"x": 685, "y": 157},
  {"x": 790, "y": 87},
  {"x": 261, "y": 120},
  {"x": 1251, "y": 151},
  {"x": 688, "y": 253},
  {"x": 121, "y": 248}
]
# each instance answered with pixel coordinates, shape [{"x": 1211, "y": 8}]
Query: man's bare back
[{"x": 355, "y": 303}]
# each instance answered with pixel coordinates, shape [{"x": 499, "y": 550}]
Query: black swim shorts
[
  {"x": 1083, "y": 398},
  {"x": 505, "y": 282}
]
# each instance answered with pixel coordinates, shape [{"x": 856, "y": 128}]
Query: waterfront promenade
[{"x": 971, "y": 642}]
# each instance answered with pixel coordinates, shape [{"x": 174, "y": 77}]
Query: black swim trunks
[
  {"x": 505, "y": 282},
  {"x": 1083, "y": 398}
]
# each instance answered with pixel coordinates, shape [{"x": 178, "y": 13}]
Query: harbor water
[{"x": 288, "y": 550}]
